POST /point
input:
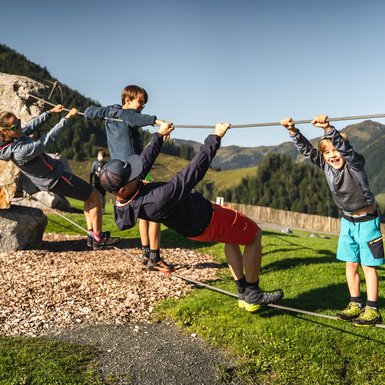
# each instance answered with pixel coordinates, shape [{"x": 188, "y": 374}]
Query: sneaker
[
  {"x": 255, "y": 297},
  {"x": 368, "y": 317},
  {"x": 241, "y": 299},
  {"x": 144, "y": 259},
  {"x": 90, "y": 241},
  {"x": 352, "y": 311},
  {"x": 160, "y": 265},
  {"x": 105, "y": 240}
]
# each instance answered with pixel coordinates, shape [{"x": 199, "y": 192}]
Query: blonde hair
[{"x": 324, "y": 140}]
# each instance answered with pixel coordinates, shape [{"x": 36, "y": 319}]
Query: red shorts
[{"x": 228, "y": 226}]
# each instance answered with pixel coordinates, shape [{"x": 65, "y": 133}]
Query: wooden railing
[{"x": 291, "y": 219}]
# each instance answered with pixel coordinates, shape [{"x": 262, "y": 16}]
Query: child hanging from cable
[
  {"x": 360, "y": 241},
  {"x": 124, "y": 139},
  {"x": 48, "y": 174},
  {"x": 180, "y": 207}
]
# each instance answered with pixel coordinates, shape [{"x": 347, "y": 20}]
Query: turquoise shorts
[{"x": 361, "y": 242}]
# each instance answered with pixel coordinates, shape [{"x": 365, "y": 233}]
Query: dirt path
[{"x": 62, "y": 290}]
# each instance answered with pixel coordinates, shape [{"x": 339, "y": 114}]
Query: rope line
[
  {"x": 247, "y": 125},
  {"x": 202, "y": 284}
]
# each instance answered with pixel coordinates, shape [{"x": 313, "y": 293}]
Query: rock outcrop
[{"x": 21, "y": 227}]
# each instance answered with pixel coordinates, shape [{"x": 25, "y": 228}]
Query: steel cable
[
  {"x": 198, "y": 283},
  {"x": 247, "y": 125}
]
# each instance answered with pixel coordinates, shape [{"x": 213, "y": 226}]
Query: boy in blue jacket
[
  {"x": 360, "y": 241},
  {"x": 123, "y": 125},
  {"x": 48, "y": 174},
  {"x": 180, "y": 207}
]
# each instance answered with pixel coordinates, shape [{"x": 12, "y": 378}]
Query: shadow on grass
[
  {"x": 340, "y": 329},
  {"x": 326, "y": 298},
  {"x": 170, "y": 239},
  {"x": 289, "y": 263}
]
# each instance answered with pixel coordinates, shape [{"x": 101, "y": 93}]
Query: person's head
[
  {"x": 120, "y": 177},
  {"x": 101, "y": 155},
  {"x": 134, "y": 97},
  {"x": 10, "y": 127},
  {"x": 331, "y": 155}
]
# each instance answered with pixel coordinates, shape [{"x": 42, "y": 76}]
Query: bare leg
[
  {"x": 371, "y": 278},
  {"x": 93, "y": 212},
  {"x": 143, "y": 231},
  {"x": 154, "y": 235},
  {"x": 353, "y": 278},
  {"x": 248, "y": 264}
]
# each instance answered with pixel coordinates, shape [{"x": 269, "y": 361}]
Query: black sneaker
[
  {"x": 241, "y": 298},
  {"x": 90, "y": 241},
  {"x": 159, "y": 265},
  {"x": 255, "y": 297},
  {"x": 105, "y": 240},
  {"x": 145, "y": 259}
]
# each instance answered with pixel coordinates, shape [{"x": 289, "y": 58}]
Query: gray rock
[{"x": 20, "y": 227}]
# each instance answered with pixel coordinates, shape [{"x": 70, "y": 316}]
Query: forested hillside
[{"x": 83, "y": 138}]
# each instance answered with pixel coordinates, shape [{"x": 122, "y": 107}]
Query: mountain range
[{"x": 367, "y": 138}]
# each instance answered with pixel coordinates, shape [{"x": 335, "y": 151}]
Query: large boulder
[{"x": 21, "y": 227}]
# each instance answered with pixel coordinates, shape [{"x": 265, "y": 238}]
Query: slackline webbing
[
  {"x": 248, "y": 125},
  {"x": 198, "y": 283}
]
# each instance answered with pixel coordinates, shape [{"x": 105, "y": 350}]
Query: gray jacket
[
  {"x": 349, "y": 185},
  {"x": 29, "y": 156}
]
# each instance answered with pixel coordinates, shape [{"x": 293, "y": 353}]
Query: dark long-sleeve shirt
[
  {"x": 123, "y": 137},
  {"x": 349, "y": 185},
  {"x": 175, "y": 204}
]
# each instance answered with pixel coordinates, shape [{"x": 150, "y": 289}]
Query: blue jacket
[
  {"x": 29, "y": 155},
  {"x": 349, "y": 185},
  {"x": 123, "y": 137},
  {"x": 175, "y": 204}
]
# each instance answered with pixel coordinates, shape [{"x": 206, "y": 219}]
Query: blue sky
[{"x": 205, "y": 61}]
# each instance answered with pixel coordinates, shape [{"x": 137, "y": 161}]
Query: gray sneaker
[{"x": 255, "y": 297}]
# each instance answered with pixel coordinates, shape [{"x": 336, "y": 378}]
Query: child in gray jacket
[
  {"x": 48, "y": 174},
  {"x": 360, "y": 241}
]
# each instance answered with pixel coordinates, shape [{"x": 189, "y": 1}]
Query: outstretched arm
[
  {"x": 27, "y": 151},
  {"x": 343, "y": 146},
  {"x": 152, "y": 150},
  {"x": 185, "y": 180},
  {"x": 302, "y": 144},
  {"x": 35, "y": 123}
]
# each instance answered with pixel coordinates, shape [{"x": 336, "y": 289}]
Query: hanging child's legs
[
  {"x": 93, "y": 212},
  {"x": 74, "y": 187}
]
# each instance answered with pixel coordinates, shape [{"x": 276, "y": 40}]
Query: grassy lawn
[{"x": 272, "y": 347}]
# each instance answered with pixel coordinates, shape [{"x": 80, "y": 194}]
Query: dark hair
[
  {"x": 131, "y": 92},
  {"x": 5, "y": 116}
]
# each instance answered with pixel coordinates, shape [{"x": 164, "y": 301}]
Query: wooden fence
[{"x": 291, "y": 219}]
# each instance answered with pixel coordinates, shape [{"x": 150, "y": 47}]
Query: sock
[
  {"x": 155, "y": 255},
  {"x": 357, "y": 300},
  {"x": 241, "y": 284},
  {"x": 253, "y": 284},
  {"x": 95, "y": 236},
  {"x": 90, "y": 232},
  {"x": 372, "y": 304},
  {"x": 146, "y": 251}
]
